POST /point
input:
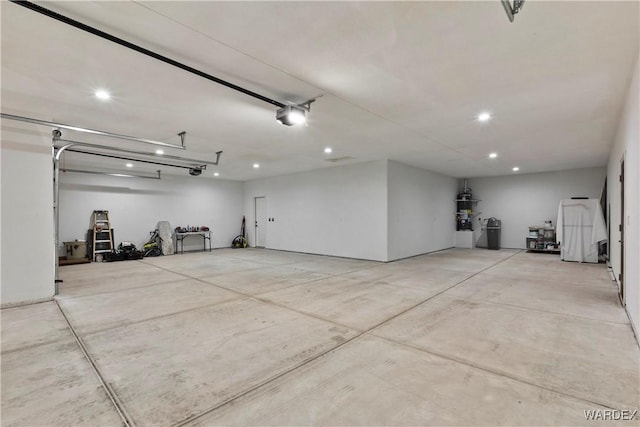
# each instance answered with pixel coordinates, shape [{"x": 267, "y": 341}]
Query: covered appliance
[{"x": 580, "y": 227}]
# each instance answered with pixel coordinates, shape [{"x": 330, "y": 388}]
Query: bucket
[{"x": 76, "y": 249}]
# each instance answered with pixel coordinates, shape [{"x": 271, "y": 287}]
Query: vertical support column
[{"x": 56, "y": 218}]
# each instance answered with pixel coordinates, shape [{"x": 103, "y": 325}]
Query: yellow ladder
[{"x": 102, "y": 235}]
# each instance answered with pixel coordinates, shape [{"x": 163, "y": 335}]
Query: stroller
[{"x": 154, "y": 246}]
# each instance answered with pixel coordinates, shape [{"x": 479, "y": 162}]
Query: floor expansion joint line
[
  {"x": 113, "y": 291},
  {"x": 494, "y": 372},
  {"x": 265, "y": 301},
  {"x": 322, "y": 354},
  {"x": 30, "y": 346},
  {"x": 160, "y": 316},
  {"x": 183, "y": 274},
  {"x": 538, "y": 310},
  {"x": 266, "y": 382},
  {"x": 25, "y": 304},
  {"x": 113, "y": 397},
  {"x": 438, "y": 294}
]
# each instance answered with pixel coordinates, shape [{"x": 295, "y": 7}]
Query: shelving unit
[
  {"x": 542, "y": 239},
  {"x": 465, "y": 213},
  {"x": 465, "y": 237}
]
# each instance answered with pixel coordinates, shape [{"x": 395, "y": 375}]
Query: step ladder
[{"x": 102, "y": 233}]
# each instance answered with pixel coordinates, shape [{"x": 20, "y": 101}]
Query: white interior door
[{"x": 261, "y": 221}]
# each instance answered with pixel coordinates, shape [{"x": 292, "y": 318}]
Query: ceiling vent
[{"x": 339, "y": 159}]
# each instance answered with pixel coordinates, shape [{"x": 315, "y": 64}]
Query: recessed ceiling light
[
  {"x": 216, "y": 174},
  {"x": 159, "y": 151},
  {"x": 256, "y": 165},
  {"x": 484, "y": 117},
  {"x": 103, "y": 95},
  {"x": 129, "y": 165},
  {"x": 493, "y": 155},
  {"x": 328, "y": 150},
  {"x": 516, "y": 169}
]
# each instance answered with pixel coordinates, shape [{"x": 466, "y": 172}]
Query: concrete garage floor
[{"x": 260, "y": 337}]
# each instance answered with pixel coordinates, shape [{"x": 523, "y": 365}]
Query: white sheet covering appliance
[{"x": 579, "y": 229}]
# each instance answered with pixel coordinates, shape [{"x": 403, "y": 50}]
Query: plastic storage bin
[{"x": 493, "y": 233}]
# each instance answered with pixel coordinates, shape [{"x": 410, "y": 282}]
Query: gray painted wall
[
  {"x": 421, "y": 211},
  {"x": 340, "y": 211},
  {"x": 521, "y": 200},
  {"x": 627, "y": 144},
  {"x": 27, "y": 217},
  {"x": 136, "y": 205}
]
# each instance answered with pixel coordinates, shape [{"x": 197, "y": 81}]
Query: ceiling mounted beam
[
  {"x": 114, "y": 156},
  {"x": 143, "y": 153},
  {"x": 117, "y": 174},
  {"x": 93, "y": 131}
]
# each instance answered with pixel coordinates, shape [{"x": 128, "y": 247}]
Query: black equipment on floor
[
  {"x": 126, "y": 251},
  {"x": 240, "y": 241}
]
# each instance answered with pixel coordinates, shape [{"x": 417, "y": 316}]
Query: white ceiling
[{"x": 399, "y": 80}]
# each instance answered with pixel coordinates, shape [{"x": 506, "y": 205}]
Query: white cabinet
[{"x": 466, "y": 239}]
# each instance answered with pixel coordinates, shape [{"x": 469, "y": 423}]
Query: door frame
[
  {"x": 621, "y": 290},
  {"x": 255, "y": 220}
]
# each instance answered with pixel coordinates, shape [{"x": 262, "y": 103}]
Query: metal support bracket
[
  {"x": 306, "y": 105},
  {"x": 512, "y": 10}
]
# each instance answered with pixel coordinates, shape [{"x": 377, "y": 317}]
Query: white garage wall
[
  {"x": 136, "y": 205},
  {"x": 28, "y": 267},
  {"x": 421, "y": 211},
  {"x": 521, "y": 200},
  {"x": 339, "y": 211},
  {"x": 627, "y": 144}
]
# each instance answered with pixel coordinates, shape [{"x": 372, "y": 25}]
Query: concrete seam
[
  {"x": 439, "y": 293},
  {"x": 65, "y": 297},
  {"x": 319, "y": 355},
  {"x": 10, "y": 305},
  {"x": 113, "y": 397},
  {"x": 538, "y": 310},
  {"x": 265, "y": 382},
  {"x": 259, "y": 299},
  {"x": 238, "y": 295},
  {"x": 359, "y": 334},
  {"x": 266, "y": 301},
  {"x": 160, "y": 316},
  {"x": 32, "y": 346},
  {"x": 490, "y": 370}
]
